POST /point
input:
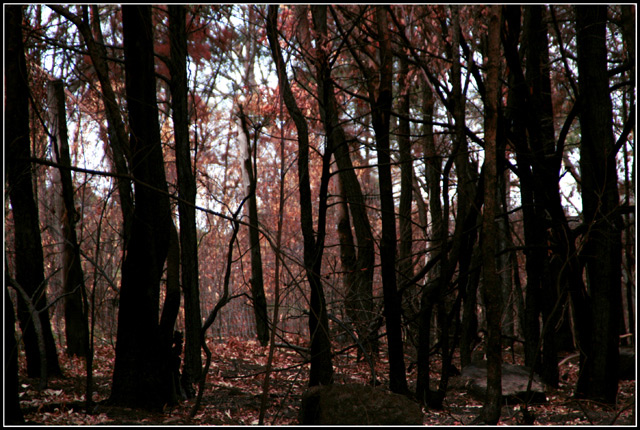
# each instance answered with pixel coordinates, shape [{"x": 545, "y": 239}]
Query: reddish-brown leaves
[{"x": 234, "y": 387}]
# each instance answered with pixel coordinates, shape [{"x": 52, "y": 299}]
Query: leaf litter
[{"x": 234, "y": 389}]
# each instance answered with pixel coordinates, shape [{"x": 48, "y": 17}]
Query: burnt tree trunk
[
  {"x": 249, "y": 170},
  {"x": 187, "y": 193},
  {"x": 12, "y": 412},
  {"x": 357, "y": 258},
  {"x": 75, "y": 302},
  {"x": 405, "y": 247},
  {"x": 433, "y": 168},
  {"x": 602, "y": 251},
  {"x": 321, "y": 372},
  {"x": 29, "y": 260},
  {"x": 142, "y": 376},
  {"x": 533, "y": 230},
  {"x": 549, "y": 262},
  {"x": 381, "y": 103},
  {"x": 491, "y": 281},
  {"x": 250, "y": 177}
]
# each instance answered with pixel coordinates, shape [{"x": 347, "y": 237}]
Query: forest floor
[{"x": 234, "y": 389}]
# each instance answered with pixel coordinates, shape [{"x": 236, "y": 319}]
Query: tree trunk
[
  {"x": 29, "y": 260},
  {"x": 381, "y": 114},
  {"x": 504, "y": 243},
  {"x": 602, "y": 251},
  {"x": 249, "y": 175},
  {"x": 187, "y": 193},
  {"x": 469, "y": 338},
  {"x": 465, "y": 232},
  {"x": 12, "y": 412},
  {"x": 491, "y": 281},
  {"x": 358, "y": 259},
  {"x": 538, "y": 161},
  {"x": 321, "y": 361},
  {"x": 546, "y": 169},
  {"x": 171, "y": 305},
  {"x": 405, "y": 248},
  {"x": 433, "y": 168},
  {"x": 357, "y": 263},
  {"x": 423, "y": 380},
  {"x": 142, "y": 377},
  {"x": 75, "y": 302}
]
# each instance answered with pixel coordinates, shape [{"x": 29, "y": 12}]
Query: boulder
[
  {"x": 514, "y": 383},
  {"x": 352, "y": 404}
]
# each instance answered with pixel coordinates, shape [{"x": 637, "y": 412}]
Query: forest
[{"x": 254, "y": 214}]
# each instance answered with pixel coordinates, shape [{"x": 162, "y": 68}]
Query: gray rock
[
  {"x": 353, "y": 404},
  {"x": 514, "y": 383}
]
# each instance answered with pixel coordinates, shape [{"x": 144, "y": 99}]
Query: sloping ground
[{"x": 234, "y": 388}]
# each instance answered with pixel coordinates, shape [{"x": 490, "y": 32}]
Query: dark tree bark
[
  {"x": 321, "y": 362},
  {"x": 142, "y": 376},
  {"x": 257, "y": 280},
  {"x": 357, "y": 258},
  {"x": 466, "y": 181},
  {"x": 602, "y": 251},
  {"x": 12, "y": 412},
  {"x": 171, "y": 305},
  {"x": 541, "y": 141},
  {"x": 187, "y": 193},
  {"x": 534, "y": 234},
  {"x": 546, "y": 169},
  {"x": 455, "y": 256},
  {"x": 504, "y": 245},
  {"x": 405, "y": 246},
  {"x": 469, "y": 338},
  {"x": 170, "y": 310},
  {"x": 381, "y": 114},
  {"x": 433, "y": 168},
  {"x": 465, "y": 231},
  {"x": 550, "y": 249},
  {"x": 348, "y": 259},
  {"x": 423, "y": 380},
  {"x": 491, "y": 282},
  {"x": 628, "y": 26},
  {"x": 29, "y": 260},
  {"x": 75, "y": 302}
]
